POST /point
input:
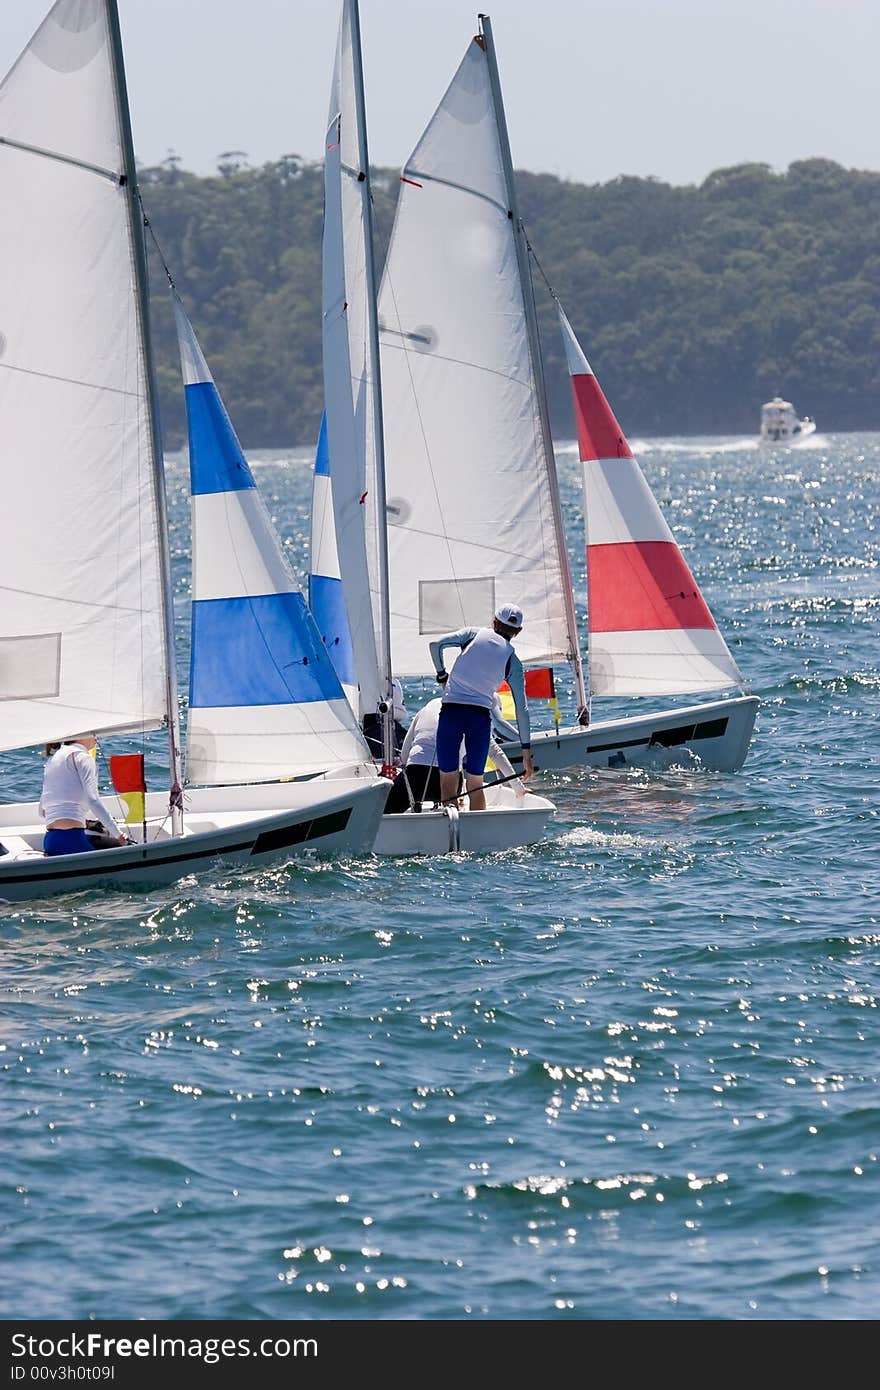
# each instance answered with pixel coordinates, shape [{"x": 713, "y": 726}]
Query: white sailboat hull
[
  {"x": 224, "y": 827},
  {"x": 714, "y": 736},
  {"x": 508, "y": 822}
]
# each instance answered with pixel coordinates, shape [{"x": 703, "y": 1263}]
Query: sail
[
  {"x": 348, "y": 369},
  {"x": 326, "y": 598},
  {"x": 470, "y": 512},
  {"x": 81, "y": 614},
  {"x": 265, "y": 701},
  {"x": 651, "y": 632}
]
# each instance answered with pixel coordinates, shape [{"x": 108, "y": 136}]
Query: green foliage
[{"x": 693, "y": 304}]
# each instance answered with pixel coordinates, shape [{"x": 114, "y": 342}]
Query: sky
[{"x": 666, "y": 88}]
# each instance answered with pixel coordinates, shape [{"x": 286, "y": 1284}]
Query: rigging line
[
  {"x": 121, "y": 805},
  {"x": 155, "y": 240},
  {"x": 484, "y": 546},
  {"x": 328, "y": 738},
  {"x": 444, "y": 357},
  {"x": 531, "y": 250},
  {"x": 110, "y": 174},
  {"x": 67, "y": 380},
  {"x": 80, "y": 602}
]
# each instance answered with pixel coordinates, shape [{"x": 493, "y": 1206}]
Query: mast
[
  {"x": 141, "y": 285},
  {"x": 522, "y": 260},
  {"x": 386, "y": 707}
]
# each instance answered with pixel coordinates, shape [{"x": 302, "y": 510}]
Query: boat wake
[
  {"x": 604, "y": 839},
  {"x": 703, "y": 445}
]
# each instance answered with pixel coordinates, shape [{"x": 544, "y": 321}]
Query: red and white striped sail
[{"x": 651, "y": 632}]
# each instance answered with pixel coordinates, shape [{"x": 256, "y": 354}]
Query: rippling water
[{"x": 631, "y": 1073}]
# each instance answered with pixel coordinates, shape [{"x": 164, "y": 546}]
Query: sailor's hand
[
  {"x": 442, "y": 677},
  {"x": 528, "y": 765},
  {"x": 123, "y": 840}
]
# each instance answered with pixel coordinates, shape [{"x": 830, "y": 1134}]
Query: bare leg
[
  {"x": 475, "y": 792},
  {"x": 448, "y": 785}
]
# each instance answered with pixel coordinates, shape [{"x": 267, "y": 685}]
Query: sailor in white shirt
[
  {"x": 419, "y": 777},
  {"x": 70, "y": 797},
  {"x": 487, "y": 658}
]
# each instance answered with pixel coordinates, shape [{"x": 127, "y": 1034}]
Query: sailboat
[
  {"x": 350, "y": 517},
  {"x": 86, "y": 630},
  {"x": 473, "y": 504}
]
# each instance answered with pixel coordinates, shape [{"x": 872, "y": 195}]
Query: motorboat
[{"x": 780, "y": 423}]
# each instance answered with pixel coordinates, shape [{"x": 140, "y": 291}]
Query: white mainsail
[
  {"x": 86, "y": 639},
  {"x": 651, "y": 632},
  {"x": 81, "y": 613},
  {"x": 348, "y": 370},
  {"x": 469, "y": 501},
  {"x": 473, "y": 510},
  {"x": 265, "y": 701}
]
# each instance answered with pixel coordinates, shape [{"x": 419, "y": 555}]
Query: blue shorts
[
  {"x": 66, "y": 842},
  {"x": 471, "y": 723}
]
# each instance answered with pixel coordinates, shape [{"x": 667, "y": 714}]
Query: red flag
[
  {"x": 540, "y": 684},
  {"x": 127, "y": 772}
]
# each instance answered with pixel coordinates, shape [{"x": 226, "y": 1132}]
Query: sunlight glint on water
[{"x": 630, "y": 1073}]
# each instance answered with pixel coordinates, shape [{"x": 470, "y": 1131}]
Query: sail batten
[
  {"x": 112, "y": 174},
  {"x": 265, "y": 700},
  {"x": 651, "y": 631}
]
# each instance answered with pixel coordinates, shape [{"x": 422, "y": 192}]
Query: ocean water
[{"x": 629, "y": 1073}]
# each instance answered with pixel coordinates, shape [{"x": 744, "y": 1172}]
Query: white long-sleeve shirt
[
  {"x": 486, "y": 660},
  {"x": 70, "y": 789},
  {"x": 420, "y": 744}
]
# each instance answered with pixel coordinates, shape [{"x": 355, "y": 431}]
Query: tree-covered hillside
[{"x": 693, "y": 304}]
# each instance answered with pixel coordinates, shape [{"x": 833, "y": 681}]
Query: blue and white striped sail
[
  {"x": 326, "y": 596},
  {"x": 265, "y": 701}
]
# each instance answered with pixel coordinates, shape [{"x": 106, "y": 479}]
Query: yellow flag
[
  {"x": 508, "y": 709},
  {"x": 134, "y": 801}
]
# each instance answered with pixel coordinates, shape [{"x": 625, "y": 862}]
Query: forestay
[
  {"x": 265, "y": 701},
  {"x": 468, "y": 494},
  {"x": 81, "y": 619},
  {"x": 651, "y": 632}
]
